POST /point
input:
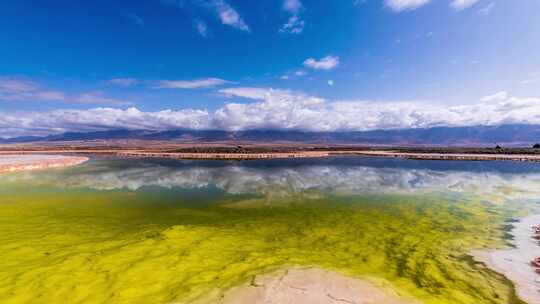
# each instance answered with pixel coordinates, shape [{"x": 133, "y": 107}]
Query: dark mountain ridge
[{"x": 514, "y": 135}]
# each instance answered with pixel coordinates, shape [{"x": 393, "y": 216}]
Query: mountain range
[{"x": 509, "y": 135}]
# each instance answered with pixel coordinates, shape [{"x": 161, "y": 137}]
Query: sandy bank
[
  {"x": 141, "y": 153},
  {"x": 181, "y": 155},
  {"x": 13, "y": 163},
  {"x": 225, "y": 155},
  {"x": 309, "y": 286},
  {"x": 449, "y": 156},
  {"x": 515, "y": 263}
]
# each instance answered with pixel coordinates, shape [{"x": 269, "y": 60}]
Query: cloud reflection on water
[{"x": 292, "y": 180}]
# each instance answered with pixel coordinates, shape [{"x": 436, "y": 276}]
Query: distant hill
[{"x": 510, "y": 135}]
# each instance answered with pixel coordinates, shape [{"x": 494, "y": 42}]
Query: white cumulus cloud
[
  {"x": 124, "y": 82},
  {"x": 403, "y": 5},
  {"x": 462, "y": 4},
  {"x": 326, "y": 63},
  {"x": 226, "y": 13},
  {"x": 201, "y": 28},
  {"x": 295, "y": 24},
  {"x": 495, "y": 97},
  {"x": 486, "y": 10},
  {"x": 292, "y": 6},
  {"x": 190, "y": 84},
  {"x": 229, "y": 16}
]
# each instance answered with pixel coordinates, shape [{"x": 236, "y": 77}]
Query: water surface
[{"x": 165, "y": 231}]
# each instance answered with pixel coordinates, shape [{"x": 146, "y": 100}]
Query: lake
[{"x": 168, "y": 231}]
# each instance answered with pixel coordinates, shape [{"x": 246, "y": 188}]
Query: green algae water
[{"x": 163, "y": 231}]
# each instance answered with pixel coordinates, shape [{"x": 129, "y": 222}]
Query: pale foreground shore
[
  {"x": 515, "y": 263},
  {"x": 13, "y": 163},
  {"x": 308, "y": 286}
]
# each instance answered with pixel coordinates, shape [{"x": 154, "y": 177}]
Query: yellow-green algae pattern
[{"x": 74, "y": 245}]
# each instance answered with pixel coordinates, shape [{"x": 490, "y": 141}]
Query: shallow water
[{"x": 164, "y": 231}]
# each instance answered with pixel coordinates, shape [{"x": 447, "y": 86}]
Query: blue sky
[{"x": 237, "y": 59}]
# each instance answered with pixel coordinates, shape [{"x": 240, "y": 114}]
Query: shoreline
[
  {"x": 17, "y": 163},
  {"x": 226, "y": 156},
  {"x": 306, "y": 286},
  {"x": 453, "y": 156},
  {"x": 515, "y": 263},
  {"x": 141, "y": 153}
]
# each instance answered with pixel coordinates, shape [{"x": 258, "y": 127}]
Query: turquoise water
[{"x": 164, "y": 231}]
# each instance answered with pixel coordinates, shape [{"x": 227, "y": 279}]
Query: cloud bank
[{"x": 280, "y": 110}]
